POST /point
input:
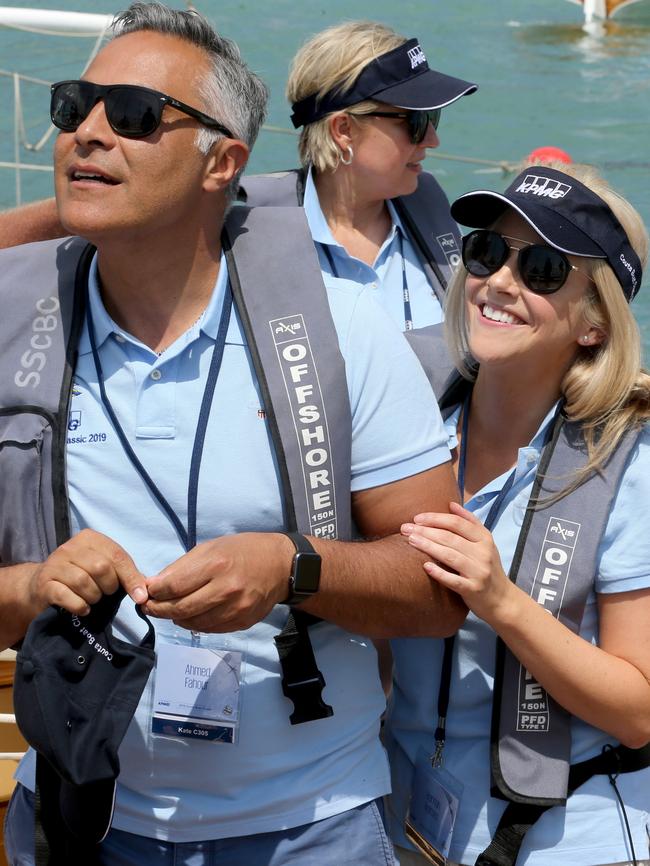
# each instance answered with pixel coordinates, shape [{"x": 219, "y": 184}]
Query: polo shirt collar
[
  {"x": 528, "y": 456},
  {"x": 212, "y": 315},
  {"x": 105, "y": 326},
  {"x": 320, "y": 231}
]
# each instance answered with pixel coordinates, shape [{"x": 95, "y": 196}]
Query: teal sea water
[{"x": 544, "y": 80}]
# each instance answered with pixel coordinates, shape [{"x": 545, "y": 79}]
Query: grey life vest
[
  {"x": 555, "y": 561},
  {"x": 425, "y": 215},
  {"x": 294, "y": 346}
]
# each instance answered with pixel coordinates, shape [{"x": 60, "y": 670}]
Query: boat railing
[
  {"x": 9, "y": 719},
  {"x": 21, "y": 142}
]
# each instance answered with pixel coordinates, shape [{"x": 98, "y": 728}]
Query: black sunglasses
[
  {"x": 132, "y": 111},
  {"x": 543, "y": 269},
  {"x": 416, "y": 121}
]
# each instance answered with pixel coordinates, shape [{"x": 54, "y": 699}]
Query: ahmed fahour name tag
[
  {"x": 433, "y": 808},
  {"x": 197, "y": 693}
]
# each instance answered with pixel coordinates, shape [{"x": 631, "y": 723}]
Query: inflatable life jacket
[
  {"x": 554, "y": 562},
  {"x": 287, "y": 323},
  {"x": 425, "y": 215},
  {"x": 428, "y": 222}
]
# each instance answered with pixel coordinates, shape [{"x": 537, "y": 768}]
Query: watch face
[{"x": 306, "y": 572}]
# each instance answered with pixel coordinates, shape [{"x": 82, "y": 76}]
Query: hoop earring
[{"x": 350, "y": 157}]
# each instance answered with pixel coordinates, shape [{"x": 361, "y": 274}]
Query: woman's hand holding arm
[{"x": 607, "y": 686}]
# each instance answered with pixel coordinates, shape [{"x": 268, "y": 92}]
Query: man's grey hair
[{"x": 233, "y": 94}]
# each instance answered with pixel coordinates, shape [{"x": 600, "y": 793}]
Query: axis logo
[
  {"x": 449, "y": 246},
  {"x": 543, "y": 186},
  {"x": 560, "y": 528},
  {"x": 291, "y": 328}
]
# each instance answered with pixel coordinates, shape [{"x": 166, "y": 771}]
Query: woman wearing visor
[
  {"x": 368, "y": 106},
  {"x": 525, "y": 720}
]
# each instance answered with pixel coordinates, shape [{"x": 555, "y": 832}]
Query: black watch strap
[{"x": 304, "y": 579}]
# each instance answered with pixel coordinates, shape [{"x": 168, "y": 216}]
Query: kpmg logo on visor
[
  {"x": 416, "y": 56},
  {"x": 543, "y": 186}
]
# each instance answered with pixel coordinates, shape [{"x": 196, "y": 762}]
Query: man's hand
[
  {"x": 227, "y": 584},
  {"x": 81, "y": 570}
]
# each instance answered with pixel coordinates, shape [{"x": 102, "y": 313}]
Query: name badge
[
  {"x": 433, "y": 808},
  {"x": 197, "y": 693}
]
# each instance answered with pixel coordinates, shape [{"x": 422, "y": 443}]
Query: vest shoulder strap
[
  {"x": 275, "y": 189},
  {"x": 430, "y": 346},
  {"x": 434, "y": 233},
  {"x": 295, "y": 350}
]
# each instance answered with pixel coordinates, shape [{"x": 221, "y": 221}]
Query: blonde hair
[
  {"x": 606, "y": 389},
  {"x": 333, "y": 60}
]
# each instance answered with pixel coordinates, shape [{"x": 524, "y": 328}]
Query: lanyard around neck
[
  {"x": 406, "y": 298},
  {"x": 490, "y": 520},
  {"x": 186, "y": 536}
]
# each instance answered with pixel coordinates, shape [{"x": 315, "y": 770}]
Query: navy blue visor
[{"x": 400, "y": 77}]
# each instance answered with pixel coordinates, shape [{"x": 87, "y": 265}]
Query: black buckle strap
[
  {"x": 515, "y": 822},
  {"x": 611, "y": 761},
  {"x": 518, "y": 818},
  {"x": 302, "y": 682}
]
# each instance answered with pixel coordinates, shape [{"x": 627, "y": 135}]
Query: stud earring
[{"x": 585, "y": 339}]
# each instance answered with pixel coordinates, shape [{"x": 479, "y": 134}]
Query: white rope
[
  {"x": 96, "y": 47},
  {"x": 493, "y": 163},
  {"x": 20, "y": 132},
  {"x": 25, "y": 77},
  {"x": 26, "y": 166}
]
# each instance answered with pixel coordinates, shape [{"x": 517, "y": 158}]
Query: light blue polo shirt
[
  {"x": 590, "y": 830},
  {"x": 384, "y": 277},
  {"x": 278, "y": 775}
]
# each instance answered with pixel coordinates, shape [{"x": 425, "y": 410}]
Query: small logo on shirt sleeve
[{"x": 74, "y": 421}]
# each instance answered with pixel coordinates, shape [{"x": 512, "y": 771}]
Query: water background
[{"x": 544, "y": 80}]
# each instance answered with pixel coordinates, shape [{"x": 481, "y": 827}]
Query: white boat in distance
[
  {"x": 602, "y": 9},
  {"x": 54, "y": 23}
]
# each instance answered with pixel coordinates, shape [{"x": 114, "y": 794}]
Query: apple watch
[{"x": 304, "y": 579}]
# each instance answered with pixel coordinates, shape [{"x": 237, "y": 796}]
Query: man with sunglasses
[{"x": 144, "y": 446}]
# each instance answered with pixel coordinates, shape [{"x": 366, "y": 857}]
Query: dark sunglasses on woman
[
  {"x": 416, "y": 121},
  {"x": 543, "y": 269},
  {"x": 132, "y": 111}
]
